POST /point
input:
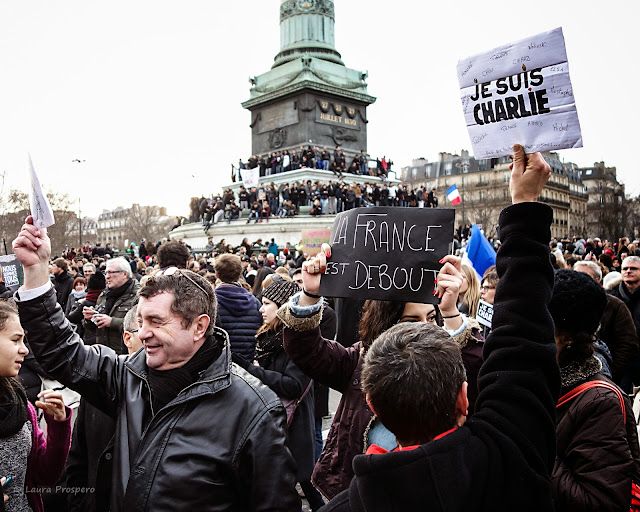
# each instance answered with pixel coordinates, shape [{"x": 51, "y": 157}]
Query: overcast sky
[{"x": 147, "y": 93}]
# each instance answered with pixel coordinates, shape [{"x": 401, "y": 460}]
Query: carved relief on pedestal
[{"x": 277, "y": 138}]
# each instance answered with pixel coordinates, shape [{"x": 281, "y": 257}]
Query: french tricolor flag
[{"x": 453, "y": 195}]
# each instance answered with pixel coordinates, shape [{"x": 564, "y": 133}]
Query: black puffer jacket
[
  {"x": 240, "y": 316},
  {"x": 219, "y": 445},
  {"x": 598, "y": 454}
]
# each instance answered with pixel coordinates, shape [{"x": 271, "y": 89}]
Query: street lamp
[{"x": 78, "y": 161}]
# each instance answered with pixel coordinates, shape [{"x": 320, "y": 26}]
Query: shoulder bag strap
[{"x": 594, "y": 384}]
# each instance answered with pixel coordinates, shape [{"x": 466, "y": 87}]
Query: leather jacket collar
[{"x": 213, "y": 379}]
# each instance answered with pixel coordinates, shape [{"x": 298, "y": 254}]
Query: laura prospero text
[{"x": 58, "y": 489}]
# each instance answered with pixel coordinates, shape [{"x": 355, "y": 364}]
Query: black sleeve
[{"x": 519, "y": 382}]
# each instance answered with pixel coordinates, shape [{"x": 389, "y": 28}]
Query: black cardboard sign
[
  {"x": 387, "y": 253},
  {"x": 11, "y": 272}
]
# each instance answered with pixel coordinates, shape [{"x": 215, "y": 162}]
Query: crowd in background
[
  {"x": 548, "y": 425},
  {"x": 268, "y": 201},
  {"x": 313, "y": 157}
]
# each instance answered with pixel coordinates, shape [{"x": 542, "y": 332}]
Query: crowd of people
[
  {"x": 267, "y": 201},
  {"x": 313, "y": 157},
  {"x": 204, "y": 379}
]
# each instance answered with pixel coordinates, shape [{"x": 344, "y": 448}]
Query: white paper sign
[
  {"x": 520, "y": 93},
  {"x": 484, "y": 316},
  {"x": 250, "y": 177},
  {"x": 40, "y": 208}
]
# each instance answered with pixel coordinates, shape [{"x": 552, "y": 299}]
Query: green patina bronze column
[
  {"x": 308, "y": 97},
  {"x": 307, "y": 26}
]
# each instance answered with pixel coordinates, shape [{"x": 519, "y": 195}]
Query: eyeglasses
[
  {"x": 111, "y": 272},
  {"x": 630, "y": 269},
  {"x": 133, "y": 331},
  {"x": 184, "y": 273},
  {"x": 486, "y": 288}
]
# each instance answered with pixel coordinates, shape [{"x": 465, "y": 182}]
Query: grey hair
[
  {"x": 89, "y": 265},
  {"x": 592, "y": 265},
  {"x": 121, "y": 264},
  {"x": 130, "y": 322},
  {"x": 631, "y": 258}
]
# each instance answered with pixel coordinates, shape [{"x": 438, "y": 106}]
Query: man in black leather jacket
[{"x": 193, "y": 431}]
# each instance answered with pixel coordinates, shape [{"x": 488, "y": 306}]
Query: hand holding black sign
[{"x": 387, "y": 253}]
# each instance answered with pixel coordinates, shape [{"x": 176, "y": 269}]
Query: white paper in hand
[
  {"x": 520, "y": 93},
  {"x": 40, "y": 208}
]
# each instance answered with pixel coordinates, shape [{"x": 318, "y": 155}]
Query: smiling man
[{"x": 193, "y": 431}]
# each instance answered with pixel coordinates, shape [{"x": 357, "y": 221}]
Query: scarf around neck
[
  {"x": 167, "y": 384},
  {"x": 579, "y": 371},
  {"x": 13, "y": 409},
  {"x": 268, "y": 344},
  {"x": 113, "y": 295}
]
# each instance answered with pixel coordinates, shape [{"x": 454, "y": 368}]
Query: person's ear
[
  {"x": 200, "y": 324},
  {"x": 126, "y": 337},
  {"x": 369, "y": 404},
  {"x": 462, "y": 404}
]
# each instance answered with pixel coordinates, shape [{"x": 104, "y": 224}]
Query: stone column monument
[{"x": 308, "y": 97}]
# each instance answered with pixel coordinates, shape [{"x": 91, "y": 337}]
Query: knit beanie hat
[
  {"x": 279, "y": 291},
  {"x": 577, "y": 303},
  {"x": 96, "y": 281}
]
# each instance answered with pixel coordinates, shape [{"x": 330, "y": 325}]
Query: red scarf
[{"x": 92, "y": 295}]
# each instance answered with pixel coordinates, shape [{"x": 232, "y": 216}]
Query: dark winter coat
[
  {"x": 219, "y": 445},
  {"x": 90, "y": 459},
  {"x": 63, "y": 284},
  {"x": 502, "y": 458},
  {"x": 240, "y": 316},
  {"x": 287, "y": 381},
  {"x": 598, "y": 455},
  {"x": 112, "y": 336},
  {"x": 88, "y": 329},
  {"x": 618, "y": 332},
  {"x": 632, "y": 301}
]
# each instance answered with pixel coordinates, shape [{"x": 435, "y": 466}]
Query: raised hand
[
  {"x": 312, "y": 271},
  {"x": 528, "y": 176},
  {"x": 32, "y": 247}
]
